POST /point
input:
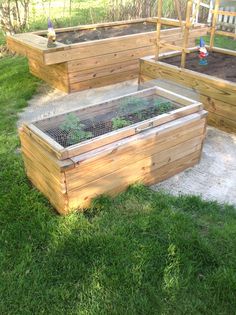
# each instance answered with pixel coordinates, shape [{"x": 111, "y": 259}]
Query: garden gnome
[
  {"x": 51, "y": 35},
  {"x": 202, "y": 53}
]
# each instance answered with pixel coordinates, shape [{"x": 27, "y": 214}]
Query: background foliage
[{"x": 22, "y": 15}]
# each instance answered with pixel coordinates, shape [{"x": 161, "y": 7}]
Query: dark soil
[
  {"x": 102, "y": 124},
  {"x": 104, "y": 32},
  {"x": 219, "y": 65}
]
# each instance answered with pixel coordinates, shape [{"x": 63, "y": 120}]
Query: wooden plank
[
  {"x": 214, "y": 22},
  {"x": 99, "y": 47},
  {"x": 167, "y": 21},
  {"x": 81, "y": 76},
  {"x": 57, "y": 199},
  {"x": 165, "y": 125},
  {"x": 104, "y": 81},
  {"x": 205, "y": 84},
  {"x": 109, "y": 59},
  {"x": 23, "y": 50},
  {"x": 95, "y": 26},
  {"x": 228, "y": 13},
  {"x": 223, "y": 123},
  {"x": 158, "y": 28},
  {"x": 224, "y": 51},
  {"x": 186, "y": 33},
  {"x": 55, "y": 75},
  {"x": 150, "y": 175},
  {"x": 34, "y": 41},
  {"x": 47, "y": 142},
  {"x": 115, "y": 152},
  {"x": 53, "y": 182},
  {"x": 159, "y": 160},
  {"x": 83, "y": 175},
  {"x": 107, "y": 153},
  {"x": 174, "y": 47},
  {"x": 220, "y": 108},
  {"x": 225, "y": 34},
  {"x": 40, "y": 153},
  {"x": 61, "y": 153},
  {"x": 109, "y": 45}
]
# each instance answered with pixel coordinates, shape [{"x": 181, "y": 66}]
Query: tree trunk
[{"x": 5, "y": 18}]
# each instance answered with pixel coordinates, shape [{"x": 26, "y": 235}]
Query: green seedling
[
  {"x": 119, "y": 122},
  {"x": 163, "y": 106},
  {"x": 132, "y": 105},
  {"x": 74, "y": 129}
]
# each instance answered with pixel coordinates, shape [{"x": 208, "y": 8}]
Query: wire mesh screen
[{"x": 72, "y": 128}]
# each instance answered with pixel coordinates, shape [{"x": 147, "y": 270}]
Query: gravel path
[{"x": 214, "y": 178}]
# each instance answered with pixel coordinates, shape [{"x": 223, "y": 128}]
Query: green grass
[
  {"x": 221, "y": 42},
  {"x": 140, "y": 253}
]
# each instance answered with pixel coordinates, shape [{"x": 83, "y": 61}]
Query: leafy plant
[
  {"x": 74, "y": 129},
  {"x": 132, "y": 105},
  {"x": 119, "y": 122},
  {"x": 163, "y": 106}
]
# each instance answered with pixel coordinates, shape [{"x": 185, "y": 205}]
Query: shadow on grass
[{"x": 140, "y": 253}]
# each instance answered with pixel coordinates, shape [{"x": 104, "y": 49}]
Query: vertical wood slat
[
  {"x": 186, "y": 33},
  {"x": 159, "y": 12},
  {"x": 214, "y": 22}
]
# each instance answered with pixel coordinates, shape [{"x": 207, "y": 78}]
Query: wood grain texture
[
  {"x": 218, "y": 96},
  {"x": 82, "y": 66},
  {"x": 148, "y": 157}
]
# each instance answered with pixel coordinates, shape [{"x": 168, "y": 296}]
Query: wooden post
[
  {"x": 195, "y": 11},
  {"x": 177, "y": 7},
  {"x": 214, "y": 21},
  {"x": 159, "y": 12},
  {"x": 186, "y": 33}
]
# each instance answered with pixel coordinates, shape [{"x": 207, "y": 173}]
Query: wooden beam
[
  {"x": 159, "y": 11},
  {"x": 166, "y": 21},
  {"x": 177, "y": 7},
  {"x": 228, "y": 13},
  {"x": 174, "y": 47},
  {"x": 94, "y": 26},
  {"x": 186, "y": 33},
  {"x": 214, "y": 22}
]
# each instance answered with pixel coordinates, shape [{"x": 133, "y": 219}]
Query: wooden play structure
[{"x": 217, "y": 95}]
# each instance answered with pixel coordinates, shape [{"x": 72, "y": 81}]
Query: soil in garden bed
[
  {"x": 79, "y": 36},
  {"x": 219, "y": 65},
  {"x": 132, "y": 110}
]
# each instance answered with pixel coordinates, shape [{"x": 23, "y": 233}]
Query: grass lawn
[
  {"x": 221, "y": 42},
  {"x": 141, "y": 253}
]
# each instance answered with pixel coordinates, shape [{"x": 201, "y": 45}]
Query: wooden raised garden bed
[
  {"x": 215, "y": 84},
  {"x": 146, "y": 136},
  {"x": 94, "y": 55}
]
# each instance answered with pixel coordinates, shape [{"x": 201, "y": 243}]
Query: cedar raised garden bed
[
  {"x": 145, "y": 136},
  {"x": 94, "y": 55},
  {"x": 215, "y": 84}
]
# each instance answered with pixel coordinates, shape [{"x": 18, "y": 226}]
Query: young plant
[
  {"x": 74, "y": 129},
  {"x": 119, "y": 122},
  {"x": 163, "y": 106},
  {"x": 132, "y": 105}
]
